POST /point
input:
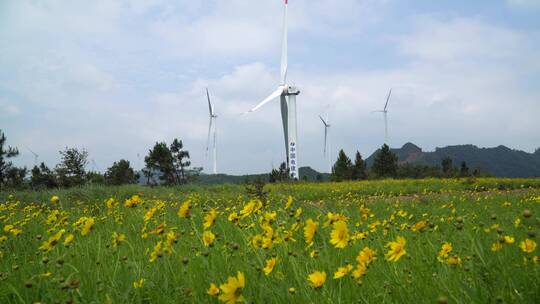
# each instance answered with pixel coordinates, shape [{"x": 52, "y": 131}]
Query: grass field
[{"x": 403, "y": 241}]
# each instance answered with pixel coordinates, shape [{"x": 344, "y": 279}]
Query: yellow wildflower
[
  {"x": 420, "y": 226},
  {"x": 208, "y": 238},
  {"x": 88, "y": 225},
  {"x": 317, "y": 279},
  {"x": 232, "y": 290},
  {"x": 397, "y": 249},
  {"x": 508, "y": 239},
  {"x": 213, "y": 290},
  {"x": 496, "y": 246},
  {"x": 342, "y": 271},
  {"x": 233, "y": 217},
  {"x": 248, "y": 209},
  {"x": 339, "y": 236},
  {"x": 210, "y": 219},
  {"x": 159, "y": 229},
  {"x": 184, "y": 209},
  {"x": 454, "y": 261},
  {"x": 69, "y": 238},
  {"x": 55, "y": 199},
  {"x": 16, "y": 232},
  {"x": 49, "y": 244},
  {"x": 149, "y": 214},
  {"x": 117, "y": 238},
  {"x": 359, "y": 271},
  {"x": 289, "y": 202},
  {"x": 110, "y": 203},
  {"x": 270, "y": 263},
  {"x": 445, "y": 250},
  {"x": 156, "y": 252},
  {"x": 366, "y": 256},
  {"x": 139, "y": 283},
  {"x": 309, "y": 231},
  {"x": 7, "y": 228},
  {"x": 528, "y": 245}
]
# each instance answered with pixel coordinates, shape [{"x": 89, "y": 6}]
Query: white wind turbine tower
[
  {"x": 212, "y": 122},
  {"x": 287, "y": 94},
  {"x": 385, "y": 113},
  {"x": 34, "y": 153},
  {"x": 326, "y": 123}
]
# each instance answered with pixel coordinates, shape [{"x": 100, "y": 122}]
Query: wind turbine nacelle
[{"x": 291, "y": 90}]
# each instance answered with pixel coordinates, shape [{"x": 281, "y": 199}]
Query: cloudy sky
[{"x": 114, "y": 77}]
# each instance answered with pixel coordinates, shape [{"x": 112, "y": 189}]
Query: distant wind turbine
[
  {"x": 34, "y": 153},
  {"x": 326, "y": 153},
  {"x": 212, "y": 122},
  {"x": 385, "y": 113},
  {"x": 95, "y": 167}
]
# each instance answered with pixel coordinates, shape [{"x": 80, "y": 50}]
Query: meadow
[{"x": 386, "y": 241}]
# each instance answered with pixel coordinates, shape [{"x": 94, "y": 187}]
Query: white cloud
[
  {"x": 524, "y": 4},
  {"x": 118, "y": 76},
  {"x": 8, "y": 108}
]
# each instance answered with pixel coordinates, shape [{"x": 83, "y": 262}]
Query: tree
[
  {"x": 193, "y": 174},
  {"x": 14, "y": 177},
  {"x": 170, "y": 162},
  {"x": 160, "y": 160},
  {"x": 71, "y": 170},
  {"x": 6, "y": 167},
  {"x": 255, "y": 189},
  {"x": 343, "y": 168},
  {"x": 385, "y": 163},
  {"x": 180, "y": 160},
  {"x": 359, "y": 168},
  {"x": 121, "y": 173},
  {"x": 95, "y": 177},
  {"x": 408, "y": 170},
  {"x": 279, "y": 175},
  {"x": 43, "y": 177},
  {"x": 464, "y": 170},
  {"x": 447, "y": 166}
]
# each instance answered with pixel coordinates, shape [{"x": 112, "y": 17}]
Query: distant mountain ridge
[{"x": 499, "y": 161}]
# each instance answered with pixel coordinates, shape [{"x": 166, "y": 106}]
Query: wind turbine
[
  {"x": 213, "y": 117},
  {"x": 327, "y": 125},
  {"x": 287, "y": 94},
  {"x": 385, "y": 113},
  {"x": 34, "y": 153},
  {"x": 94, "y": 166}
]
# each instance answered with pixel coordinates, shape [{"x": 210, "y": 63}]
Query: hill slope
[{"x": 499, "y": 161}]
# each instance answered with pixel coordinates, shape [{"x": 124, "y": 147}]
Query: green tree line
[
  {"x": 164, "y": 165},
  {"x": 385, "y": 165}
]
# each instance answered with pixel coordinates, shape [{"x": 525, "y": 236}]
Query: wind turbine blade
[
  {"x": 210, "y": 107},
  {"x": 327, "y": 117},
  {"x": 387, "y": 99},
  {"x": 323, "y": 121},
  {"x": 272, "y": 96},
  {"x": 284, "y": 49},
  {"x": 285, "y": 120}
]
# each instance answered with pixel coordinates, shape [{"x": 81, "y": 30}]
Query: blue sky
[{"x": 114, "y": 77}]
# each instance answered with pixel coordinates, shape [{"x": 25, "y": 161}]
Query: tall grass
[{"x": 472, "y": 215}]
